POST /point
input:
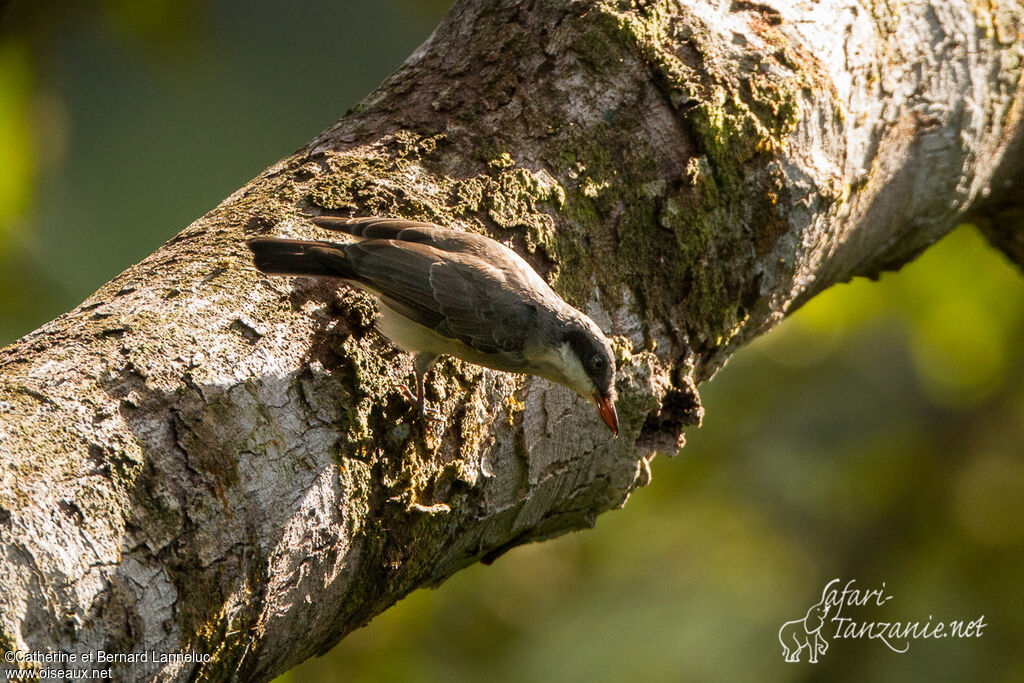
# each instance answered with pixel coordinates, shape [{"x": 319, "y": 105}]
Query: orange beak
[{"x": 607, "y": 410}]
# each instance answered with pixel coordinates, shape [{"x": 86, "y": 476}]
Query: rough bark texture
[{"x": 199, "y": 458}]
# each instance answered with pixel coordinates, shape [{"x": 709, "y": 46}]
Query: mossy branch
[{"x": 199, "y": 459}]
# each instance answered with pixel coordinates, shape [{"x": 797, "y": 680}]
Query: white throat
[{"x": 565, "y": 368}]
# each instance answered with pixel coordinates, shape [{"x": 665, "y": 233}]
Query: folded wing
[{"x": 456, "y": 295}]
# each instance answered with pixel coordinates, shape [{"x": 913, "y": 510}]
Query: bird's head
[{"x": 590, "y": 368}]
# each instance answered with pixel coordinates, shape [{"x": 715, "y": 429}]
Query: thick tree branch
[
  {"x": 1004, "y": 227},
  {"x": 199, "y": 458},
  {"x": 1000, "y": 212}
]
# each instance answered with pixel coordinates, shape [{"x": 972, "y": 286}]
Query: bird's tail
[{"x": 276, "y": 256}]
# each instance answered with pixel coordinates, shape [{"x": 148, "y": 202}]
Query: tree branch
[{"x": 202, "y": 459}]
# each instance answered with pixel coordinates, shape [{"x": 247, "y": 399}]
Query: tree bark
[{"x": 200, "y": 459}]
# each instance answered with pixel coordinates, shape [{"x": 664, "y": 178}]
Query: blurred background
[{"x": 877, "y": 435}]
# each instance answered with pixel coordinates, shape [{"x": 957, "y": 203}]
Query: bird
[{"x": 444, "y": 291}]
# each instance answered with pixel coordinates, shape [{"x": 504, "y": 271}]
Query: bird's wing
[
  {"x": 458, "y": 296},
  {"x": 445, "y": 239},
  {"x": 480, "y": 307},
  {"x": 379, "y": 228}
]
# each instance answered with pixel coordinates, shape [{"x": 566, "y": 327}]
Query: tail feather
[{"x": 276, "y": 256}]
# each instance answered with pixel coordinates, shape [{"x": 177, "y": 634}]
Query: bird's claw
[
  {"x": 429, "y": 414},
  {"x": 407, "y": 393}
]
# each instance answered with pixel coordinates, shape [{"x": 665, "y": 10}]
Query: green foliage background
[{"x": 877, "y": 435}]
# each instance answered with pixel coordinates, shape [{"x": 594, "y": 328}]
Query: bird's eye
[{"x": 597, "y": 363}]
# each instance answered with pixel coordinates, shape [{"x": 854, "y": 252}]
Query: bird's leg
[
  {"x": 422, "y": 365},
  {"x": 421, "y": 395}
]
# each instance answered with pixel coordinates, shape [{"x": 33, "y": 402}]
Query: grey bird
[{"x": 445, "y": 291}]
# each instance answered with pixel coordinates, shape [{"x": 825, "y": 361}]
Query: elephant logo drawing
[{"x": 800, "y": 634}]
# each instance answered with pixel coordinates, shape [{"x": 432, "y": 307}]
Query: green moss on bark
[{"x": 694, "y": 226}]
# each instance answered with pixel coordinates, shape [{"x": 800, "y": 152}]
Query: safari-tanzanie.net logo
[{"x": 847, "y": 612}]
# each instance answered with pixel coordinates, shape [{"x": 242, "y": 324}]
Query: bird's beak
[{"x": 607, "y": 410}]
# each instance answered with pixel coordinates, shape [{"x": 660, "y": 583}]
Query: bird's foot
[
  {"x": 407, "y": 393},
  {"x": 428, "y": 414}
]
